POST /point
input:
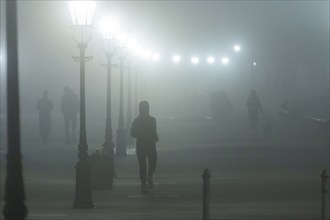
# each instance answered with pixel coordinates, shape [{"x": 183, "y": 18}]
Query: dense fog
[
  {"x": 288, "y": 40},
  {"x": 284, "y": 57}
]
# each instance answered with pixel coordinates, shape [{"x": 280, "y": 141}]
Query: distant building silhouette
[
  {"x": 144, "y": 130},
  {"x": 70, "y": 109},
  {"x": 45, "y": 106}
]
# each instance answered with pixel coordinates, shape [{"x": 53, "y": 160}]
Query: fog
[{"x": 288, "y": 40}]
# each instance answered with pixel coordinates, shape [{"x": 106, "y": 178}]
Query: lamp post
[
  {"x": 129, "y": 104},
  {"x": 136, "y": 108},
  {"x": 121, "y": 136},
  {"x": 132, "y": 49},
  {"x": 102, "y": 166},
  {"x": 81, "y": 13},
  {"x": 14, "y": 186}
]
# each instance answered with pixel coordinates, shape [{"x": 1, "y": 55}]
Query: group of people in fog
[
  {"x": 70, "y": 110},
  {"x": 143, "y": 127}
]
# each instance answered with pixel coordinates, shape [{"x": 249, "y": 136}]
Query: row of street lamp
[{"x": 126, "y": 48}]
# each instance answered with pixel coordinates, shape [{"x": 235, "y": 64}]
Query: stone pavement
[{"x": 252, "y": 178}]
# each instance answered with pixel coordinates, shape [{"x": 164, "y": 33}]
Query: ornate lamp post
[
  {"x": 81, "y": 13},
  {"x": 132, "y": 49},
  {"x": 129, "y": 104},
  {"x": 14, "y": 186},
  {"x": 136, "y": 108},
  {"x": 102, "y": 177},
  {"x": 121, "y": 136}
]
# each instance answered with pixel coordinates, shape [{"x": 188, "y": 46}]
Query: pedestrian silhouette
[
  {"x": 70, "y": 109},
  {"x": 254, "y": 109},
  {"x": 144, "y": 130},
  {"x": 45, "y": 106}
]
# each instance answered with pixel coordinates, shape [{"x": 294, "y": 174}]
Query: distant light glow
[
  {"x": 131, "y": 45},
  {"x": 254, "y": 64},
  {"x": 237, "y": 48},
  {"x": 146, "y": 54},
  {"x": 176, "y": 58},
  {"x": 225, "y": 60},
  {"x": 109, "y": 28},
  {"x": 194, "y": 60},
  {"x": 155, "y": 56},
  {"x": 82, "y": 12},
  {"x": 123, "y": 39},
  {"x": 210, "y": 60}
]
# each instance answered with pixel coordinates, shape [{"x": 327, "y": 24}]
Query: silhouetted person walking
[
  {"x": 45, "y": 106},
  {"x": 70, "y": 109},
  {"x": 254, "y": 108},
  {"x": 144, "y": 130}
]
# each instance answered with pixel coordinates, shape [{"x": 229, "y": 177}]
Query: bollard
[
  {"x": 324, "y": 192},
  {"x": 206, "y": 194}
]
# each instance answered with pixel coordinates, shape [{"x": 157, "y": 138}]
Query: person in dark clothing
[
  {"x": 70, "y": 109},
  {"x": 254, "y": 109},
  {"x": 44, "y": 106},
  {"x": 144, "y": 130}
]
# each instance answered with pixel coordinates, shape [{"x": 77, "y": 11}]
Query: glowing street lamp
[
  {"x": 194, "y": 60},
  {"x": 237, "y": 48},
  {"x": 225, "y": 60},
  {"x": 254, "y": 63},
  {"x": 109, "y": 28},
  {"x": 176, "y": 58},
  {"x": 82, "y": 14},
  {"x": 210, "y": 60}
]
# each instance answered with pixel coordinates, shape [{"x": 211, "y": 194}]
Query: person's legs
[
  {"x": 142, "y": 158},
  {"x": 152, "y": 161}
]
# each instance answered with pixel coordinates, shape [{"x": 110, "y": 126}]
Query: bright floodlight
[
  {"x": 109, "y": 28},
  {"x": 194, "y": 60},
  {"x": 210, "y": 60},
  {"x": 176, "y": 58},
  {"x": 82, "y": 12},
  {"x": 155, "y": 56},
  {"x": 237, "y": 48},
  {"x": 254, "y": 64},
  {"x": 225, "y": 60}
]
